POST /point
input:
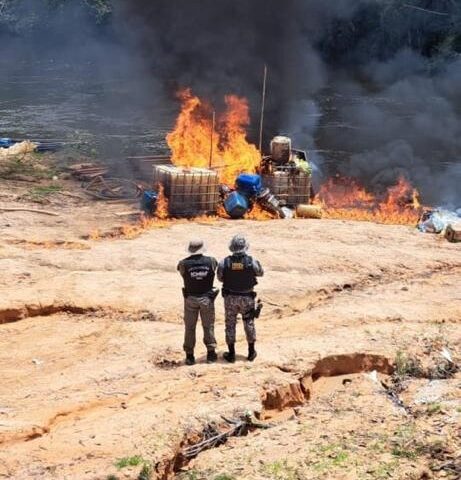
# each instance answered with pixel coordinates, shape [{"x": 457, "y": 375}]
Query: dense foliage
[
  {"x": 375, "y": 28},
  {"x": 380, "y": 28},
  {"x": 25, "y": 16}
]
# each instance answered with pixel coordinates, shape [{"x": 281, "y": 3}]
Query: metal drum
[{"x": 281, "y": 150}]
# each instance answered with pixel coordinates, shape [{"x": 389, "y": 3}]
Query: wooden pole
[
  {"x": 33, "y": 210},
  {"x": 263, "y": 107},
  {"x": 213, "y": 122}
]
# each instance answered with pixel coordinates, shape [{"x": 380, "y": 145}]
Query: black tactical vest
[
  {"x": 198, "y": 275},
  {"x": 238, "y": 274}
]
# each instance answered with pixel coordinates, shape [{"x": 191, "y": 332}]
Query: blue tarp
[{"x": 6, "y": 142}]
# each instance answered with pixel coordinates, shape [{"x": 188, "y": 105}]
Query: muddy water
[{"x": 101, "y": 114}]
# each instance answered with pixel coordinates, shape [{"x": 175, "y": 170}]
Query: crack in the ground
[
  {"x": 11, "y": 315},
  {"x": 301, "y": 303},
  {"x": 306, "y": 302},
  {"x": 39, "y": 431},
  {"x": 279, "y": 399},
  {"x": 278, "y": 402}
]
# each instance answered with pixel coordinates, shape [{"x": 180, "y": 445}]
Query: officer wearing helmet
[
  {"x": 238, "y": 274},
  {"x": 198, "y": 273}
]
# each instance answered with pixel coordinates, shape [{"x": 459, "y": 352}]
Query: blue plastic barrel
[
  {"x": 149, "y": 202},
  {"x": 236, "y": 205},
  {"x": 6, "y": 142},
  {"x": 250, "y": 184}
]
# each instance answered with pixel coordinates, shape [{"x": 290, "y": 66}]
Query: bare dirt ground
[{"x": 92, "y": 380}]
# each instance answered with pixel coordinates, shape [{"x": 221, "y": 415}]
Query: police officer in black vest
[
  {"x": 198, "y": 272},
  {"x": 238, "y": 273}
]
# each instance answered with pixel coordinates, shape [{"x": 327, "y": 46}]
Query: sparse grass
[
  {"x": 280, "y": 470},
  {"x": 404, "y": 452},
  {"x": 224, "y": 476},
  {"x": 136, "y": 461},
  {"x": 46, "y": 190},
  {"x": 14, "y": 167},
  {"x": 406, "y": 366},
  {"x": 333, "y": 455},
  {"x": 112, "y": 477},
  {"x": 133, "y": 461},
  {"x": 39, "y": 194},
  {"x": 405, "y": 444},
  {"x": 385, "y": 470},
  {"x": 434, "y": 408},
  {"x": 146, "y": 472}
]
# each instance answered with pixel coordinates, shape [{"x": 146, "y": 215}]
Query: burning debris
[
  {"x": 201, "y": 140},
  {"x": 190, "y": 191},
  {"x": 287, "y": 173},
  {"x": 248, "y": 182},
  {"x": 249, "y": 192},
  {"x": 279, "y": 184},
  {"x": 215, "y": 170},
  {"x": 344, "y": 198}
]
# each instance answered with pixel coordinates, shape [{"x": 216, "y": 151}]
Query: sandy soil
[{"x": 91, "y": 359}]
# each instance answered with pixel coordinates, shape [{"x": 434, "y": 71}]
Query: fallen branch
[
  {"x": 72, "y": 195},
  {"x": 127, "y": 214},
  {"x": 214, "y": 438},
  {"x": 33, "y": 210},
  {"x": 434, "y": 12}
]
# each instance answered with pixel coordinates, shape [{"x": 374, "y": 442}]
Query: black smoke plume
[{"x": 371, "y": 87}]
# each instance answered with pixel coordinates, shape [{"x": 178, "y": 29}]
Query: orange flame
[
  {"x": 258, "y": 213},
  {"x": 229, "y": 152},
  {"x": 161, "y": 212},
  {"x": 344, "y": 198}
]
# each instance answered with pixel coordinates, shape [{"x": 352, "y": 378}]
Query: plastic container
[
  {"x": 249, "y": 184},
  {"x": 149, "y": 202},
  {"x": 6, "y": 142},
  {"x": 236, "y": 205},
  {"x": 309, "y": 211},
  {"x": 190, "y": 191}
]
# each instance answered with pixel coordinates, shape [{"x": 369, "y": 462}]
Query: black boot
[
  {"x": 190, "y": 359},
  {"x": 211, "y": 356},
  {"x": 251, "y": 352},
  {"x": 230, "y": 355}
]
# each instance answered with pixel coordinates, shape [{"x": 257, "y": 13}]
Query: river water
[{"x": 102, "y": 116}]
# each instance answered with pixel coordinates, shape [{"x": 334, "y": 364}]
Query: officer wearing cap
[
  {"x": 198, "y": 273},
  {"x": 238, "y": 274}
]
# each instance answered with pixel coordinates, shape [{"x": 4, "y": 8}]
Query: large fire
[
  {"x": 197, "y": 141},
  {"x": 344, "y": 198}
]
